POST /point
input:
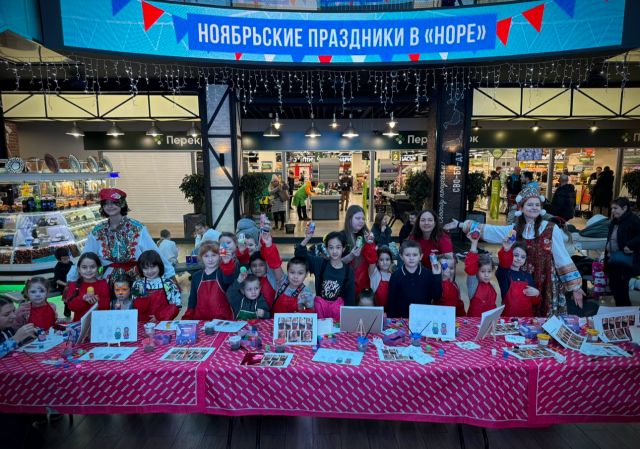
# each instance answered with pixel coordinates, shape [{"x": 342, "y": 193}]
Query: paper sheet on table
[
  {"x": 228, "y": 326},
  {"x": 603, "y": 350},
  {"x": 515, "y": 339},
  {"x": 401, "y": 354},
  {"x": 187, "y": 354},
  {"x": 338, "y": 356},
  {"x": 563, "y": 334},
  {"x": 469, "y": 345},
  {"x": 43, "y": 346},
  {"x": 173, "y": 325},
  {"x": 109, "y": 353},
  {"x": 531, "y": 352},
  {"x": 326, "y": 327}
]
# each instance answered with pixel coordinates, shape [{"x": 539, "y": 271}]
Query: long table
[{"x": 463, "y": 386}]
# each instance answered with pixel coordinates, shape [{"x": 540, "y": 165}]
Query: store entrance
[{"x": 332, "y": 173}]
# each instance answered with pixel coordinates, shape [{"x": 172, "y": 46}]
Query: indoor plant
[
  {"x": 418, "y": 188},
  {"x": 631, "y": 181},
  {"x": 253, "y": 187},
  {"x": 475, "y": 187},
  {"x": 192, "y": 186}
]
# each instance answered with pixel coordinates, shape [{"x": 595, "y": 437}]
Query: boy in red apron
[
  {"x": 517, "y": 287},
  {"x": 156, "y": 297},
  {"x": 267, "y": 266},
  {"x": 479, "y": 269},
  {"x": 450, "y": 290},
  {"x": 208, "y": 297},
  {"x": 245, "y": 298},
  {"x": 292, "y": 295}
]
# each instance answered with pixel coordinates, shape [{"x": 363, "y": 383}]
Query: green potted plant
[
  {"x": 631, "y": 181},
  {"x": 253, "y": 187},
  {"x": 418, "y": 188},
  {"x": 192, "y": 186},
  {"x": 475, "y": 186}
]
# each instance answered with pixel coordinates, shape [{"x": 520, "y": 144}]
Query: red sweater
[
  {"x": 443, "y": 246},
  {"x": 271, "y": 255},
  {"x": 79, "y": 306},
  {"x": 451, "y": 297},
  {"x": 43, "y": 316}
]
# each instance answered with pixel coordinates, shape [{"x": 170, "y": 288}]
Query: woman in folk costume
[
  {"x": 120, "y": 240},
  {"x": 547, "y": 260}
]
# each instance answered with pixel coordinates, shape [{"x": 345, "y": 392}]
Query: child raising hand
[
  {"x": 479, "y": 268},
  {"x": 519, "y": 294}
]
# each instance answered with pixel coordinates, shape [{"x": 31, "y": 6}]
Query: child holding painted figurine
[
  {"x": 517, "y": 287},
  {"x": 450, "y": 290},
  {"x": 479, "y": 269}
]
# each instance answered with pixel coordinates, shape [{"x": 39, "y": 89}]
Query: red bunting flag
[
  {"x": 534, "y": 16},
  {"x": 150, "y": 14},
  {"x": 414, "y": 57},
  {"x": 238, "y": 56},
  {"x": 503, "y": 28},
  {"x": 325, "y": 59}
]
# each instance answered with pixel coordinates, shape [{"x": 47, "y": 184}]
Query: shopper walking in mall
[
  {"x": 345, "y": 184},
  {"x": 279, "y": 198},
  {"x": 563, "y": 203},
  {"x": 514, "y": 186},
  {"x": 120, "y": 240},
  {"x": 290, "y": 183},
  {"x": 603, "y": 192},
  {"x": 300, "y": 200},
  {"x": 622, "y": 253}
]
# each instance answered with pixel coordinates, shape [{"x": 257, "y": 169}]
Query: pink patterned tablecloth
[{"x": 463, "y": 386}]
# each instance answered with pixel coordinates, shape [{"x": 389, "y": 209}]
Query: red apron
[
  {"x": 155, "y": 304},
  {"x": 516, "y": 302},
  {"x": 267, "y": 291},
  {"x": 212, "y": 302},
  {"x": 382, "y": 294},
  {"x": 43, "y": 317},
  {"x": 483, "y": 300},
  {"x": 361, "y": 274},
  {"x": 285, "y": 304}
]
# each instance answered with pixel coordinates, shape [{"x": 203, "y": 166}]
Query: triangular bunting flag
[
  {"x": 358, "y": 58},
  {"x": 444, "y": 56},
  {"x": 325, "y": 59},
  {"x": 238, "y": 56},
  {"x": 534, "y": 16},
  {"x": 150, "y": 14},
  {"x": 269, "y": 58},
  {"x": 180, "y": 26},
  {"x": 117, "y": 5},
  {"x": 502, "y": 30},
  {"x": 568, "y": 6},
  {"x": 414, "y": 57}
]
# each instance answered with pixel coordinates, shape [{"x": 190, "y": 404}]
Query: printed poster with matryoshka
[{"x": 114, "y": 326}]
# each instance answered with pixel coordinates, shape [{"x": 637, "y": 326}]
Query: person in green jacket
[{"x": 300, "y": 198}]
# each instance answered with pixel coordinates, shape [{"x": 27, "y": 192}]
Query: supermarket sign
[
  {"x": 100, "y": 141},
  {"x": 173, "y": 29}
]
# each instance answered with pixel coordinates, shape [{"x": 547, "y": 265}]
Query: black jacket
[
  {"x": 628, "y": 235},
  {"x": 603, "y": 190},
  {"x": 563, "y": 203}
]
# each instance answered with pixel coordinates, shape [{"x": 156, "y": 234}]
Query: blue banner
[{"x": 496, "y": 31}]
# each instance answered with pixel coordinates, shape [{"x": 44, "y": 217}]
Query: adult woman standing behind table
[
  {"x": 546, "y": 253},
  {"x": 120, "y": 240},
  {"x": 279, "y": 197},
  {"x": 622, "y": 253},
  {"x": 429, "y": 234}
]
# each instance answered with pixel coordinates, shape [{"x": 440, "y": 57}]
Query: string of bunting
[{"x": 94, "y": 75}]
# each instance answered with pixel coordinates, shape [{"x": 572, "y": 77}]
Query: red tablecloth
[{"x": 464, "y": 386}]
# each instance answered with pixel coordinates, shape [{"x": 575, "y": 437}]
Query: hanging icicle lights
[{"x": 95, "y": 75}]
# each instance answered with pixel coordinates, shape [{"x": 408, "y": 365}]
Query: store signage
[
  {"x": 333, "y": 141},
  {"x": 99, "y": 141},
  {"x": 555, "y": 138},
  {"x": 177, "y": 29}
]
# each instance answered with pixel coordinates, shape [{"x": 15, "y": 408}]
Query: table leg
[
  {"x": 230, "y": 432},
  {"x": 461, "y": 437},
  {"x": 258, "y": 431},
  {"x": 70, "y": 420},
  {"x": 485, "y": 438}
]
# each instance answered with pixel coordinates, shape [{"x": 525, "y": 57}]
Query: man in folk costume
[{"x": 548, "y": 262}]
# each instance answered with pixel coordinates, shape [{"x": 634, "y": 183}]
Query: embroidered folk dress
[
  {"x": 120, "y": 247},
  {"x": 547, "y": 259}
]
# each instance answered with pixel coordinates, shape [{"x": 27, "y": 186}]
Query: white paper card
[
  {"x": 296, "y": 328},
  {"x": 227, "y": 326},
  {"x": 43, "y": 346},
  {"x": 433, "y": 321},
  {"x": 469, "y": 345},
  {"x": 563, "y": 334},
  {"x": 603, "y": 350},
  {"x": 338, "y": 356},
  {"x": 114, "y": 326},
  {"x": 488, "y": 321},
  {"x": 112, "y": 353},
  {"x": 515, "y": 339},
  {"x": 187, "y": 354},
  {"x": 326, "y": 327}
]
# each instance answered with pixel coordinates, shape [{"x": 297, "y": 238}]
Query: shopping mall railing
[{"x": 343, "y": 5}]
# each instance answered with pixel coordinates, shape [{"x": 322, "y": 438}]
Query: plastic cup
[
  {"x": 416, "y": 338},
  {"x": 150, "y": 329},
  {"x": 363, "y": 343},
  {"x": 280, "y": 345},
  {"x": 543, "y": 339},
  {"x": 234, "y": 342}
]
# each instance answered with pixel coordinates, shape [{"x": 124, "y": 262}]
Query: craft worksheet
[
  {"x": 531, "y": 352},
  {"x": 615, "y": 327},
  {"x": 172, "y": 325},
  {"x": 228, "y": 326},
  {"x": 114, "y": 326},
  {"x": 37, "y": 346},
  {"x": 296, "y": 328},
  {"x": 433, "y": 321},
  {"x": 338, "y": 356},
  {"x": 267, "y": 360},
  {"x": 187, "y": 354},
  {"x": 108, "y": 353},
  {"x": 561, "y": 332}
]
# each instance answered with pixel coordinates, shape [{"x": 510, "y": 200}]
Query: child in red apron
[
  {"x": 246, "y": 300},
  {"x": 292, "y": 295},
  {"x": 450, "y": 290},
  {"x": 479, "y": 271},
  {"x": 380, "y": 274},
  {"x": 36, "y": 310},
  {"x": 239, "y": 250},
  {"x": 154, "y": 296},
  {"x": 334, "y": 280},
  {"x": 208, "y": 297},
  {"x": 267, "y": 266},
  {"x": 517, "y": 287},
  {"x": 82, "y": 294}
]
